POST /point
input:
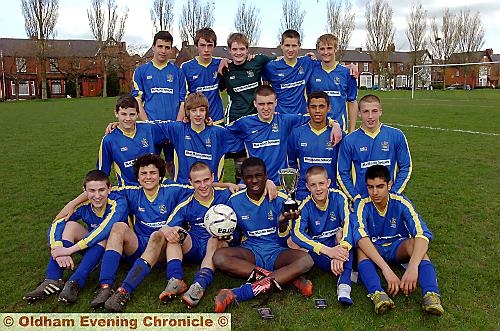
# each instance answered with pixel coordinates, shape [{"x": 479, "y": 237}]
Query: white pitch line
[{"x": 441, "y": 129}]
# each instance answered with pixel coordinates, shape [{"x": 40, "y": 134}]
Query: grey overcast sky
[{"x": 73, "y": 22}]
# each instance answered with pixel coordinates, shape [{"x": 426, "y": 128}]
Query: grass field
[{"x": 47, "y": 147}]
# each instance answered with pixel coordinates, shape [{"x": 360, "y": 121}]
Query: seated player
[
  {"x": 67, "y": 237},
  {"x": 120, "y": 148},
  {"x": 263, "y": 255},
  {"x": 388, "y": 229},
  {"x": 373, "y": 143},
  {"x": 265, "y": 135},
  {"x": 198, "y": 246},
  {"x": 323, "y": 230},
  {"x": 310, "y": 145}
]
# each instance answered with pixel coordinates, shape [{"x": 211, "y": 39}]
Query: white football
[{"x": 220, "y": 220}]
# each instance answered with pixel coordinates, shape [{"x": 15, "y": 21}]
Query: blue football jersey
[
  {"x": 161, "y": 89},
  {"x": 318, "y": 226},
  {"x": 203, "y": 78},
  {"x": 361, "y": 149},
  {"x": 340, "y": 86},
  {"x": 289, "y": 82},
  {"x": 399, "y": 220},
  {"x": 98, "y": 224}
]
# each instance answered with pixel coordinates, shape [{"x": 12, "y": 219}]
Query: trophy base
[{"x": 290, "y": 206}]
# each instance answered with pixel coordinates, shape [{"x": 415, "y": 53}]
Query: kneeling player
[
  {"x": 99, "y": 214},
  {"x": 323, "y": 230},
  {"x": 264, "y": 255},
  {"x": 388, "y": 229},
  {"x": 197, "y": 245}
]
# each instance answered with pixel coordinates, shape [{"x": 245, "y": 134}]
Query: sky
[{"x": 73, "y": 23}]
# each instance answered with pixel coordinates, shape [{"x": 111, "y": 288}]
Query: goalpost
[{"x": 423, "y": 66}]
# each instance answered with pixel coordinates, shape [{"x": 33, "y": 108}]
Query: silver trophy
[{"x": 289, "y": 178}]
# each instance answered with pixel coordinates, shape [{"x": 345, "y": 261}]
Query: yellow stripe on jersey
[
  {"x": 414, "y": 215},
  {"x": 220, "y": 169},
  {"x": 296, "y": 230},
  {"x": 84, "y": 242},
  {"x": 403, "y": 186},
  {"x": 53, "y": 242},
  {"x": 176, "y": 166},
  {"x": 359, "y": 217},
  {"x": 179, "y": 206}
]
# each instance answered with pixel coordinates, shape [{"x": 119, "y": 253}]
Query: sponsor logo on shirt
[
  {"x": 262, "y": 232},
  {"x": 154, "y": 225},
  {"x": 333, "y": 93},
  {"x": 198, "y": 155},
  {"x": 207, "y": 88},
  {"x": 326, "y": 234},
  {"x": 293, "y": 84},
  {"x": 164, "y": 90},
  {"x": 266, "y": 143},
  {"x": 385, "y": 146},
  {"x": 124, "y": 149},
  {"x": 323, "y": 160},
  {"x": 368, "y": 164},
  {"x": 246, "y": 87}
]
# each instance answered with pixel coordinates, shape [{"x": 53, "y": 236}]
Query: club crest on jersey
[
  {"x": 144, "y": 142},
  {"x": 337, "y": 80},
  {"x": 250, "y": 73},
  {"x": 301, "y": 71},
  {"x": 208, "y": 142},
  {"x": 393, "y": 223},
  {"x": 214, "y": 75},
  {"x": 333, "y": 218},
  {"x": 329, "y": 145},
  {"x": 275, "y": 127},
  {"x": 170, "y": 78},
  {"x": 270, "y": 215},
  {"x": 124, "y": 149},
  {"x": 385, "y": 146},
  {"x": 363, "y": 149},
  {"x": 163, "y": 209}
]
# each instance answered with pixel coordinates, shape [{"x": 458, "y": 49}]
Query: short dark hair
[
  {"x": 290, "y": 34},
  {"x": 197, "y": 166},
  {"x": 378, "y": 171},
  {"x": 148, "y": 159},
  {"x": 264, "y": 91},
  {"x": 253, "y": 162},
  {"x": 318, "y": 95},
  {"x": 370, "y": 98},
  {"x": 316, "y": 170},
  {"x": 96, "y": 176},
  {"x": 163, "y": 35},
  {"x": 126, "y": 101},
  {"x": 206, "y": 33}
]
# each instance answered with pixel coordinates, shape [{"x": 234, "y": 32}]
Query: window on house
[
  {"x": 20, "y": 64},
  {"x": 365, "y": 66},
  {"x": 401, "y": 67},
  {"x": 56, "y": 87},
  {"x": 53, "y": 65},
  {"x": 23, "y": 88},
  {"x": 457, "y": 73}
]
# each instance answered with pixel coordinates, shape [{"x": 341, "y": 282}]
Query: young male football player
[
  {"x": 323, "y": 230},
  {"x": 264, "y": 252},
  {"x": 67, "y": 237},
  {"x": 201, "y": 72},
  {"x": 336, "y": 80},
  {"x": 265, "y": 135},
  {"x": 310, "y": 145},
  {"x": 120, "y": 148},
  {"x": 197, "y": 245},
  {"x": 373, "y": 143},
  {"x": 388, "y": 229}
]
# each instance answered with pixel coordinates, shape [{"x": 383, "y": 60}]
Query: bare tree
[
  {"x": 108, "y": 27},
  {"x": 162, "y": 15},
  {"x": 194, "y": 16},
  {"x": 247, "y": 21},
  {"x": 340, "y": 22},
  {"x": 40, "y": 18},
  {"x": 444, "y": 39},
  {"x": 470, "y": 35},
  {"x": 380, "y": 33},
  {"x": 293, "y": 17},
  {"x": 417, "y": 26}
]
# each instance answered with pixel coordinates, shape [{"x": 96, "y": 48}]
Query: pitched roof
[{"x": 59, "y": 48}]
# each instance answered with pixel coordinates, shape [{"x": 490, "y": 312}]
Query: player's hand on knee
[
  {"x": 65, "y": 262},
  {"x": 171, "y": 233},
  {"x": 393, "y": 282},
  {"x": 337, "y": 267},
  {"x": 338, "y": 252},
  {"x": 409, "y": 280},
  {"x": 58, "y": 251},
  {"x": 111, "y": 127}
]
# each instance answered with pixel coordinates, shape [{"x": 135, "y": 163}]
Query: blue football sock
[
  {"x": 369, "y": 276},
  {"x": 427, "y": 277},
  {"x": 345, "y": 276},
  {"x": 109, "y": 267},
  {"x": 204, "y": 277},
  {"x": 244, "y": 292},
  {"x": 90, "y": 260},
  {"x": 139, "y": 271},
  {"x": 174, "y": 269},
  {"x": 54, "y": 271}
]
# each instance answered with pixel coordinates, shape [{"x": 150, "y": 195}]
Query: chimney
[
  {"x": 391, "y": 47},
  {"x": 184, "y": 43},
  {"x": 489, "y": 51},
  {"x": 359, "y": 49}
]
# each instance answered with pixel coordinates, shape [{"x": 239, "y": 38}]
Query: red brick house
[{"x": 476, "y": 75}]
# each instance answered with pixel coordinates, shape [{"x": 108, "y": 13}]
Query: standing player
[
  {"x": 264, "y": 253},
  {"x": 120, "y": 148},
  {"x": 323, "y": 230},
  {"x": 67, "y": 237},
  {"x": 388, "y": 229},
  {"x": 310, "y": 145},
  {"x": 373, "y": 143},
  {"x": 201, "y": 72},
  {"x": 335, "y": 79},
  {"x": 197, "y": 245}
]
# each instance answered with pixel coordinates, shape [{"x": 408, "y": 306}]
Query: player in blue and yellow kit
[
  {"x": 373, "y": 143},
  {"x": 336, "y": 81},
  {"x": 195, "y": 141},
  {"x": 201, "y": 72},
  {"x": 120, "y": 148},
  {"x": 288, "y": 75},
  {"x": 263, "y": 253},
  {"x": 388, "y": 229},
  {"x": 310, "y": 145},
  {"x": 67, "y": 237},
  {"x": 323, "y": 230}
]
